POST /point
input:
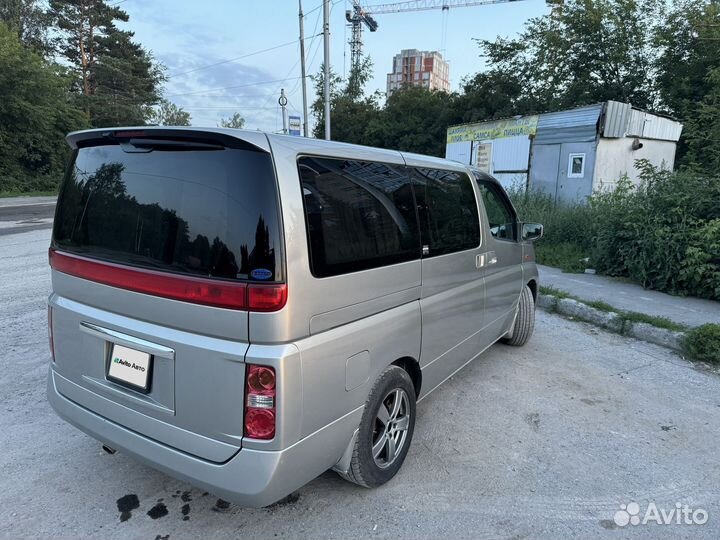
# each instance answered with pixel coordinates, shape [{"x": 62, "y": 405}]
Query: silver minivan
[{"x": 245, "y": 311}]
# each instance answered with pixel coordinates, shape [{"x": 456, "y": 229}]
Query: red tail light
[
  {"x": 50, "y": 334},
  {"x": 192, "y": 289},
  {"x": 260, "y": 402},
  {"x": 267, "y": 297}
]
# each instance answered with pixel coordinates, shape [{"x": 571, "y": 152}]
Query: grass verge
[
  {"x": 27, "y": 193},
  {"x": 701, "y": 343},
  {"x": 568, "y": 257}
]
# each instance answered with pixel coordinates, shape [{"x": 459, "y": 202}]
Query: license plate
[{"x": 130, "y": 367}]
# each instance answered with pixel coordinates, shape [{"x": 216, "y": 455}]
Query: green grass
[
  {"x": 568, "y": 257},
  {"x": 598, "y": 304},
  {"x": 626, "y": 316},
  {"x": 703, "y": 343},
  {"x": 660, "y": 322},
  {"x": 552, "y": 291},
  {"x": 27, "y": 193}
]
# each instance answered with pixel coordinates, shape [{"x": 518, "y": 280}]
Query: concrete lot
[{"x": 546, "y": 441}]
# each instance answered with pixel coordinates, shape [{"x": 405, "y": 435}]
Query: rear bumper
[{"x": 250, "y": 478}]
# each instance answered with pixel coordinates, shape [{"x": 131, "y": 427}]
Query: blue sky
[{"x": 186, "y": 35}]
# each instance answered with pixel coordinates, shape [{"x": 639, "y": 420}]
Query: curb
[{"x": 611, "y": 321}]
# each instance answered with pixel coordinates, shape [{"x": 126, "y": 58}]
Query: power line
[
  {"x": 233, "y": 59},
  {"x": 208, "y": 90}
]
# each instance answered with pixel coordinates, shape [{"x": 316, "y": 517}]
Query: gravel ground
[{"x": 545, "y": 441}]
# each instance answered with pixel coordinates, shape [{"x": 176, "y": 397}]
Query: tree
[
  {"x": 690, "y": 44},
  {"x": 702, "y": 130},
  {"x": 35, "y": 115},
  {"x": 317, "y": 108},
  {"x": 585, "y": 51},
  {"x": 117, "y": 80},
  {"x": 169, "y": 114},
  {"x": 490, "y": 95},
  {"x": 30, "y": 21},
  {"x": 352, "y": 113},
  {"x": 236, "y": 121},
  {"x": 415, "y": 120}
]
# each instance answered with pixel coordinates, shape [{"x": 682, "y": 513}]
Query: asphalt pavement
[
  {"x": 545, "y": 441},
  {"x": 21, "y": 214}
]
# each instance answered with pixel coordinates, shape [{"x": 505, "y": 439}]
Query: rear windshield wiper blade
[{"x": 148, "y": 145}]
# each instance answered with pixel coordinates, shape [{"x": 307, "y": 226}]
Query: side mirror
[{"x": 532, "y": 231}]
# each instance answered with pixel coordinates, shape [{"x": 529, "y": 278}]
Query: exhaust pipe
[{"x": 109, "y": 450}]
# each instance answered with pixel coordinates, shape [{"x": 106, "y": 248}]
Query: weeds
[
  {"x": 663, "y": 233},
  {"x": 703, "y": 343}
]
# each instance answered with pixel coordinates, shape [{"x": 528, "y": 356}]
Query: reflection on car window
[
  {"x": 501, "y": 217},
  {"x": 359, "y": 214},
  {"x": 211, "y": 213},
  {"x": 448, "y": 210}
]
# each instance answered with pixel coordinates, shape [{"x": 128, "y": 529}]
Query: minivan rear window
[{"x": 200, "y": 209}]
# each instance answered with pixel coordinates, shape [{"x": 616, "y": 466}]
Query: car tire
[
  {"x": 524, "y": 320},
  {"x": 385, "y": 431}
]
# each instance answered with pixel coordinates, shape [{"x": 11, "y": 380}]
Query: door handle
[{"x": 485, "y": 259}]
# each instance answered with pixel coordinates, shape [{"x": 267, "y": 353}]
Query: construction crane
[{"x": 360, "y": 16}]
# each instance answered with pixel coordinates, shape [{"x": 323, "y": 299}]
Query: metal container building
[{"x": 568, "y": 154}]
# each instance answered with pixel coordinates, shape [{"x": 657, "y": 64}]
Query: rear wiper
[{"x": 148, "y": 145}]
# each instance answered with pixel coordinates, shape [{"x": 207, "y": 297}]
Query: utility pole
[
  {"x": 282, "y": 101},
  {"x": 326, "y": 71},
  {"x": 302, "y": 70}
]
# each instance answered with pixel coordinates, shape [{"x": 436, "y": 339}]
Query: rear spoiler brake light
[{"x": 196, "y": 290}]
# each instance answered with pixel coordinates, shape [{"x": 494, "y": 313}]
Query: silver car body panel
[{"x": 328, "y": 345}]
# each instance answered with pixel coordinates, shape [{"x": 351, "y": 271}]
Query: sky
[{"x": 194, "y": 39}]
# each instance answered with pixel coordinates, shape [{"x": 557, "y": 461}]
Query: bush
[
  {"x": 703, "y": 343},
  {"x": 663, "y": 233},
  {"x": 566, "y": 242}
]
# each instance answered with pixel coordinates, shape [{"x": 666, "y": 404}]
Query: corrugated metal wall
[
  {"x": 576, "y": 125},
  {"x": 621, "y": 120},
  {"x": 509, "y": 154},
  {"x": 649, "y": 126},
  {"x": 616, "y": 119}
]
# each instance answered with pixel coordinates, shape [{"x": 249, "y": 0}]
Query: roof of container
[{"x": 581, "y": 123}]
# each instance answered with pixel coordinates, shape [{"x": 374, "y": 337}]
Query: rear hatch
[{"x": 159, "y": 236}]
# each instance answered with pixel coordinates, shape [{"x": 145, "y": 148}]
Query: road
[
  {"x": 545, "y": 441},
  {"x": 21, "y": 214}
]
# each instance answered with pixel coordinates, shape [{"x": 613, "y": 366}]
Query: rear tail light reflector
[{"x": 260, "y": 392}]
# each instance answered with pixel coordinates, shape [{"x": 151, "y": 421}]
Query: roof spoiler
[{"x": 230, "y": 138}]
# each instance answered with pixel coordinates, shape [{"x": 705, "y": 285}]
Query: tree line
[
  {"x": 66, "y": 65},
  {"x": 655, "y": 55}
]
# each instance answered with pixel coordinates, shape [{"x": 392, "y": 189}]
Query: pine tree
[{"x": 116, "y": 79}]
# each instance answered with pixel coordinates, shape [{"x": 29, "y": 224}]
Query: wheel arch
[
  {"x": 533, "y": 289},
  {"x": 412, "y": 367}
]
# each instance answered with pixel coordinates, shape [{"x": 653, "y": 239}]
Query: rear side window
[
  {"x": 359, "y": 215},
  {"x": 201, "y": 209},
  {"x": 448, "y": 211}
]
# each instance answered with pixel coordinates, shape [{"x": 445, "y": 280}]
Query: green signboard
[{"x": 497, "y": 129}]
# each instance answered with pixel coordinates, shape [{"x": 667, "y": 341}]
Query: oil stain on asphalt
[
  {"x": 126, "y": 505},
  {"x": 158, "y": 511}
]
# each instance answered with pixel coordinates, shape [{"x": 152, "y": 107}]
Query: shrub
[
  {"x": 663, "y": 233},
  {"x": 703, "y": 343}
]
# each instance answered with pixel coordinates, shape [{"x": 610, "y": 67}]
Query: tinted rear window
[
  {"x": 203, "y": 210},
  {"x": 359, "y": 215}
]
